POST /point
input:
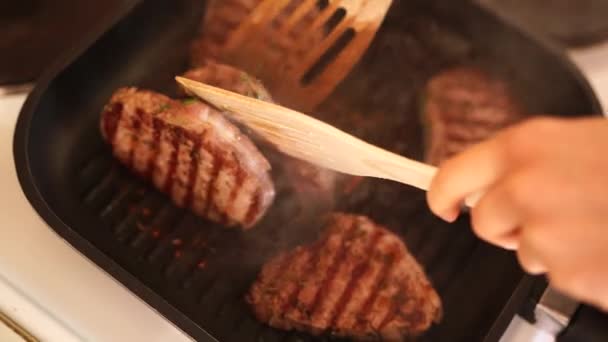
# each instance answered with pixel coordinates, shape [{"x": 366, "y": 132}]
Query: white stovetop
[{"x": 58, "y": 295}]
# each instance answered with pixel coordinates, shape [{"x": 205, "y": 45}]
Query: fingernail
[
  {"x": 450, "y": 216},
  {"x": 511, "y": 245}
]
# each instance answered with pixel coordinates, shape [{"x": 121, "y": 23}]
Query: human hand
[{"x": 545, "y": 193}]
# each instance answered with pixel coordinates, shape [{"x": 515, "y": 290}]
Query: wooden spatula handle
[{"x": 392, "y": 166}]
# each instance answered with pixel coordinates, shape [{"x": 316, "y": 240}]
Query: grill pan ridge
[{"x": 194, "y": 272}]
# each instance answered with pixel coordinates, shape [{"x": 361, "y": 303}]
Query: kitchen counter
[{"x": 58, "y": 295}]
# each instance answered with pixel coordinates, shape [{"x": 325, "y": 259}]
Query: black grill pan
[{"x": 194, "y": 272}]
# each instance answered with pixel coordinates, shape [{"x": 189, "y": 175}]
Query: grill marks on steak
[
  {"x": 308, "y": 180},
  {"x": 190, "y": 152},
  {"x": 358, "y": 280},
  {"x": 464, "y": 106}
]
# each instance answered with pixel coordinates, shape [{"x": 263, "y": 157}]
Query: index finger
[{"x": 464, "y": 175}]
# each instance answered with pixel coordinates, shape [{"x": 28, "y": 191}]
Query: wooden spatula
[
  {"x": 302, "y": 61},
  {"x": 307, "y": 138}
]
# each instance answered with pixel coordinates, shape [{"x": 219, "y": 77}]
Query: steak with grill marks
[
  {"x": 228, "y": 77},
  {"x": 463, "y": 106},
  {"x": 188, "y": 150},
  {"x": 358, "y": 281},
  {"x": 308, "y": 181}
]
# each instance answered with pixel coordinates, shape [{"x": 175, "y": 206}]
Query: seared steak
[
  {"x": 358, "y": 280},
  {"x": 188, "y": 150},
  {"x": 230, "y": 78},
  {"x": 221, "y": 18},
  {"x": 464, "y": 106},
  {"x": 306, "y": 179}
]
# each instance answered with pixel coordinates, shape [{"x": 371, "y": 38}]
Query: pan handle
[
  {"x": 552, "y": 314},
  {"x": 554, "y": 311}
]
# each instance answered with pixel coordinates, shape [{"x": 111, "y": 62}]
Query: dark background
[
  {"x": 570, "y": 22},
  {"x": 34, "y": 32}
]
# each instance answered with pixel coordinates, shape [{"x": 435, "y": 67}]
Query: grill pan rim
[{"x": 117, "y": 271}]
